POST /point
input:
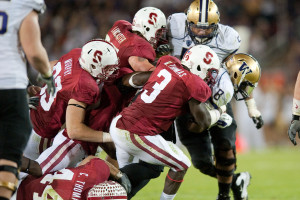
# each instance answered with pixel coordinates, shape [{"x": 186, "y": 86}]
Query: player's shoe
[{"x": 239, "y": 187}]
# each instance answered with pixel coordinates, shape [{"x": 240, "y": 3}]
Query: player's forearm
[
  {"x": 140, "y": 64},
  {"x": 85, "y": 133}
]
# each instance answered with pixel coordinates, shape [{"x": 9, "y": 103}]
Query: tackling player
[
  {"x": 136, "y": 43},
  {"x": 295, "y": 124},
  {"x": 78, "y": 77},
  {"x": 170, "y": 90},
  {"x": 200, "y": 25}
]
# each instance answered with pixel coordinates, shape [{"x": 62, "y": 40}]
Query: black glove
[
  {"x": 125, "y": 182},
  {"x": 292, "y": 132},
  {"x": 258, "y": 121},
  {"x": 162, "y": 50},
  {"x": 33, "y": 102},
  {"x": 50, "y": 83}
]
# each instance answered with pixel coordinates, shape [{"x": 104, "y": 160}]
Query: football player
[
  {"x": 136, "y": 43},
  {"x": 75, "y": 183},
  {"x": 79, "y": 76},
  {"x": 20, "y": 41},
  {"x": 295, "y": 124},
  {"x": 200, "y": 25},
  {"x": 170, "y": 90}
]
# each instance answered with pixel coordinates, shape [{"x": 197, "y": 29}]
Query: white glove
[{"x": 224, "y": 121}]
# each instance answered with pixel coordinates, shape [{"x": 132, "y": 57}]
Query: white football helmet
[
  {"x": 151, "y": 23},
  {"x": 107, "y": 190},
  {"x": 202, "y": 61},
  {"x": 99, "y": 58}
]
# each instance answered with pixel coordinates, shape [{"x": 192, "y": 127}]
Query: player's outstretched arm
[
  {"x": 295, "y": 124},
  {"x": 136, "y": 79},
  {"x": 140, "y": 64},
  {"x": 253, "y": 112}
]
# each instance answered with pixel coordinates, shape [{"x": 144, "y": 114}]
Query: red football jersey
[
  {"x": 112, "y": 102},
  {"x": 129, "y": 44},
  {"x": 72, "y": 82},
  {"x": 167, "y": 91},
  {"x": 68, "y": 183}
]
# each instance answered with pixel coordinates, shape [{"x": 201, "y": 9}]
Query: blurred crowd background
[{"x": 269, "y": 29}]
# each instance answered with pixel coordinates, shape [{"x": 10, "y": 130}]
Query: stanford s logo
[
  {"x": 245, "y": 68},
  {"x": 97, "y": 56},
  {"x": 153, "y": 17},
  {"x": 207, "y": 58}
]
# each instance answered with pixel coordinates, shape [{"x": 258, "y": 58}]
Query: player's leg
[
  {"x": 36, "y": 145},
  {"x": 63, "y": 153},
  {"x": 225, "y": 154},
  {"x": 15, "y": 129},
  {"x": 198, "y": 145}
]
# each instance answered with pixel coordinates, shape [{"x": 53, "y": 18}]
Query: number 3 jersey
[
  {"x": 163, "y": 98},
  {"x": 68, "y": 183},
  {"x": 71, "y": 82}
]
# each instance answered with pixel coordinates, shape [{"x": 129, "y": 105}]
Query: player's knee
[
  {"x": 154, "y": 170},
  {"x": 206, "y": 168},
  {"x": 225, "y": 157}
]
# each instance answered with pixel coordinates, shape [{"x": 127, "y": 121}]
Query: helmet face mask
[
  {"x": 107, "y": 190},
  {"x": 151, "y": 23},
  {"x": 202, "y": 61},
  {"x": 99, "y": 58},
  {"x": 244, "y": 72},
  {"x": 202, "y": 21}
]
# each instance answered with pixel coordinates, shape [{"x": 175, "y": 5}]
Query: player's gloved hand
[
  {"x": 224, "y": 121},
  {"x": 162, "y": 50},
  {"x": 48, "y": 79},
  {"x": 258, "y": 121},
  {"x": 125, "y": 182},
  {"x": 254, "y": 113},
  {"x": 294, "y": 128},
  {"x": 33, "y": 102}
]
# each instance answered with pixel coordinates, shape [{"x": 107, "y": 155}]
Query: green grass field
[{"x": 275, "y": 176}]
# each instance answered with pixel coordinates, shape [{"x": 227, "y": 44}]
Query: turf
[{"x": 275, "y": 176}]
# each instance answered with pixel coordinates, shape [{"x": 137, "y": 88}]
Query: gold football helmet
[
  {"x": 244, "y": 72},
  {"x": 202, "y": 20}
]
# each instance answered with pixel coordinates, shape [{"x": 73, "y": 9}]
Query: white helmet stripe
[{"x": 203, "y": 11}]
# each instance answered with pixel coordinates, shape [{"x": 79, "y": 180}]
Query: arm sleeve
[
  {"x": 197, "y": 88},
  {"x": 86, "y": 91}
]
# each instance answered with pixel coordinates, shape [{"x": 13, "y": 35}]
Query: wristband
[
  {"x": 106, "y": 137},
  {"x": 214, "y": 116},
  {"x": 47, "y": 74},
  {"x": 296, "y": 107},
  {"x": 131, "y": 82}
]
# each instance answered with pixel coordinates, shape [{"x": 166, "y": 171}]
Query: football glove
[
  {"x": 50, "y": 83},
  {"x": 33, "y": 102},
  {"x": 162, "y": 50},
  {"x": 294, "y": 128},
  {"x": 224, "y": 121},
  {"x": 125, "y": 182},
  {"x": 254, "y": 113}
]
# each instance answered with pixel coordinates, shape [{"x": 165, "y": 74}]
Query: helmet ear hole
[
  {"x": 235, "y": 75},
  {"x": 198, "y": 68},
  {"x": 93, "y": 66},
  {"x": 147, "y": 29}
]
